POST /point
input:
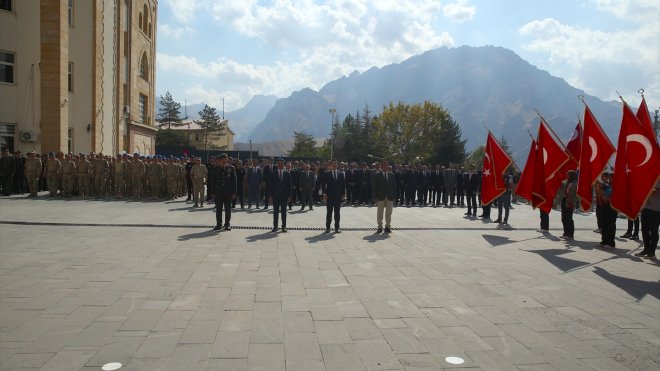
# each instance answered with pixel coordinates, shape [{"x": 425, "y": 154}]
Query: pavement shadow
[
  {"x": 554, "y": 258},
  {"x": 495, "y": 241},
  {"x": 261, "y": 236},
  {"x": 635, "y": 288},
  {"x": 204, "y": 234},
  {"x": 320, "y": 237},
  {"x": 375, "y": 237}
]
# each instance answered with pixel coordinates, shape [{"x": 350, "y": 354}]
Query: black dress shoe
[
  {"x": 337, "y": 230},
  {"x": 481, "y": 216},
  {"x": 274, "y": 229},
  {"x": 327, "y": 230},
  {"x": 284, "y": 230},
  {"x": 634, "y": 237},
  {"x": 387, "y": 230},
  {"x": 217, "y": 228},
  {"x": 627, "y": 235},
  {"x": 379, "y": 230},
  {"x": 227, "y": 228}
]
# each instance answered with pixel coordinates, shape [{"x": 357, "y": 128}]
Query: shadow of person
[
  {"x": 320, "y": 237},
  {"x": 203, "y": 234},
  {"x": 554, "y": 258},
  {"x": 261, "y": 236},
  {"x": 635, "y": 288},
  {"x": 376, "y": 237}
]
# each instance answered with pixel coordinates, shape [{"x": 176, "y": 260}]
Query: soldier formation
[{"x": 262, "y": 183}]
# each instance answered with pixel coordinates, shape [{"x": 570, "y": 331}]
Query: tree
[
  {"x": 169, "y": 112},
  {"x": 213, "y": 126},
  {"x": 476, "y": 158},
  {"x": 303, "y": 145},
  {"x": 425, "y": 131},
  {"x": 505, "y": 146},
  {"x": 169, "y": 137}
]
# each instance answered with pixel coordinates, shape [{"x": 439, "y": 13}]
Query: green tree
[
  {"x": 450, "y": 147},
  {"x": 169, "y": 112},
  {"x": 505, "y": 146},
  {"x": 303, "y": 145},
  {"x": 213, "y": 126},
  {"x": 476, "y": 157}
]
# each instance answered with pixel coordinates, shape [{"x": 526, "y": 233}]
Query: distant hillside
[{"x": 478, "y": 85}]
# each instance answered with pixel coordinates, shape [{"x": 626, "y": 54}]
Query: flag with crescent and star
[
  {"x": 573, "y": 149},
  {"x": 596, "y": 150},
  {"x": 550, "y": 158},
  {"x": 525, "y": 184},
  {"x": 637, "y": 164},
  {"x": 496, "y": 161}
]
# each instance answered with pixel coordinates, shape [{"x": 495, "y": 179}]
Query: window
[
  {"x": 7, "y": 134},
  {"x": 70, "y": 141},
  {"x": 7, "y": 67},
  {"x": 70, "y": 78},
  {"x": 70, "y": 13},
  {"x": 146, "y": 19},
  {"x": 6, "y": 5},
  {"x": 140, "y": 20},
  {"x": 144, "y": 67},
  {"x": 149, "y": 34},
  {"x": 142, "y": 108}
]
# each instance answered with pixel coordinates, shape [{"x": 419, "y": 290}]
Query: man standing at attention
[
  {"x": 307, "y": 181},
  {"x": 384, "y": 191},
  {"x": 279, "y": 193},
  {"x": 224, "y": 190},
  {"x": 334, "y": 191},
  {"x": 199, "y": 175}
]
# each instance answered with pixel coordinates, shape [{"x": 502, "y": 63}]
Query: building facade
[
  {"x": 199, "y": 139},
  {"x": 78, "y": 75}
]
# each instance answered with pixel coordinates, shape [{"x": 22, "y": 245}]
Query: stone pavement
[{"x": 84, "y": 283}]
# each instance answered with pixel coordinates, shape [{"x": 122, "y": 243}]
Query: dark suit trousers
[
  {"x": 332, "y": 206},
  {"x": 279, "y": 207},
  {"x": 472, "y": 203},
  {"x": 219, "y": 206},
  {"x": 306, "y": 196},
  {"x": 650, "y": 222}
]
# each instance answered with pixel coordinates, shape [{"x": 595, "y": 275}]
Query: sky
[{"x": 210, "y": 50}]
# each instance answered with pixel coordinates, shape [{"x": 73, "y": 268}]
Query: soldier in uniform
[
  {"x": 120, "y": 176},
  {"x": 84, "y": 170},
  {"x": 181, "y": 179},
  {"x": 199, "y": 175},
  {"x": 224, "y": 191},
  {"x": 53, "y": 170},
  {"x": 138, "y": 171},
  {"x": 100, "y": 173},
  {"x": 171, "y": 173},
  {"x": 32, "y": 172},
  {"x": 155, "y": 174},
  {"x": 68, "y": 171}
]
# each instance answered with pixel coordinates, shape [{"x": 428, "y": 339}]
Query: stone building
[
  {"x": 197, "y": 137},
  {"x": 78, "y": 75}
]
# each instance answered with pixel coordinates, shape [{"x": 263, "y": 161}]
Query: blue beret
[{"x": 51, "y": 154}]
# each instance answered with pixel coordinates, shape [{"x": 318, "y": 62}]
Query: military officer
[
  {"x": 68, "y": 171},
  {"x": 32, "y": 172},
  {"x": 100, "y": 173},
  {"x": 138, "y": 171},
  {"x": 199, "y": 175},
  {"x": 53, "y": 169},
  {"x": 224, "y": 191},
  {"x": 120, "y": 176}
]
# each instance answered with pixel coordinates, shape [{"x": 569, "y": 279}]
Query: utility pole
[{"x": 332, "y": 131}]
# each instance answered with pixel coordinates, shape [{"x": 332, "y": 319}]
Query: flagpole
[
  {"x": 507, "y": 155},
  {"x": 550, "y": 127}
]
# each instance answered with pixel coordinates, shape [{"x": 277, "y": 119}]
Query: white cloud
[
  {"x": 212, "y": 97},
  {"x": 459, "y": 11},
  {"x": 175, "y": 32},
  {"x": 184, "y": 10},
  {"x": 631, "y": 56},
  {"x": 321, "y": 41}
]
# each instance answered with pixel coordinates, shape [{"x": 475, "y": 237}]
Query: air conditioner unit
[{"x": 28, "y": 136}]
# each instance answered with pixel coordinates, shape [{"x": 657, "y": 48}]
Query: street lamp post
[{"x": 332, "y": 112}]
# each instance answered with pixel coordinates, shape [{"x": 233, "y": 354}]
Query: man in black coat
[
  {"x": 334, "y": 191},
  {"x": 306, "y": 183},
  {"x": 224, "y": 191},
  {"x": 471, "y": 182},
  {"x": 7, "y": 171},
  {"x": 279, "y": 193},
  {"x": 384, "y": 191}
]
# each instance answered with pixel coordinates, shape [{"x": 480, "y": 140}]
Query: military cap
[
  {"x": 223, "y": 155},
  {"x": 279, "y": 159},
  {"x": 51, "y": 154}
]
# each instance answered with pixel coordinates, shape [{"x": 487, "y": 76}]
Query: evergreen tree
[
  {"x": 169, "y": 112},
  {"x": 303, "y": 145},
  {"x": 213, "y": 126},
  {"x": 476, "y": 158},
  {"x": 505, "y": 146}
]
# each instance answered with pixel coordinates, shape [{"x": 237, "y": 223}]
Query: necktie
[
  {"x": 386, "y": 176},
  {"x": 280, "y": 174},
  {"x": 334, "y": 174}
]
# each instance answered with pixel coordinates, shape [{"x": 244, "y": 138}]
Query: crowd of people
[{"x": 260, "y": 183}]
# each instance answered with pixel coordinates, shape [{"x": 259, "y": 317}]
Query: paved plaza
[{"x": 87, "y": 282}]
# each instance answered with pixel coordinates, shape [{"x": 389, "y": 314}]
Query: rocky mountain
[{"x": 478, "y": 85}]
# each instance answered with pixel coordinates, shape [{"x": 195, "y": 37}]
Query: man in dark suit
[
  {"x": 384, "y": 191},
  {"x": 279, "y": 193},
  {"x": 334, "y": 190},
  {"x": 224, "y": 191},
  {"x": 307, "y": 181},
  {"x": 254, "y": 181},
  {"x": 471, "y": 182},
  {"x": 268, "y": 169}
]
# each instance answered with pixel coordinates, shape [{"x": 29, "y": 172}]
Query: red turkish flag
[
  {"x": 596, "y": 152},
  {"x": 524, "y": 187},
  {"x": 637, "y": 165},
  {"x": 645, "y": 120},
  {"x": 495, "y": 163},
  {"x": 573, "y": 149},
  {"x": 550, "y": 159},
  {"x": 574, "y": 145}
]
